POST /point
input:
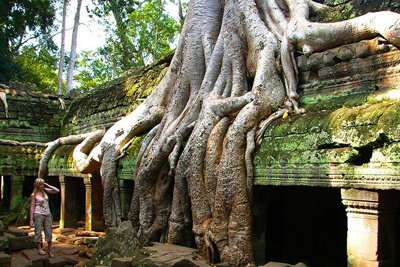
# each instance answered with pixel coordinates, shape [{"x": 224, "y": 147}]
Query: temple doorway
[
  {"x": 74, "y": 202},
  {"x": 300, "y": 224}
]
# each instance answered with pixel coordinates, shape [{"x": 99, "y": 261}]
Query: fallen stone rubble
[
  {"x": 71, "y": 247},
  {"x": 74, "y": 247}
]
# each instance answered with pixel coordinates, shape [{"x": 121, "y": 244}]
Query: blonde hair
[{"x": 38, "y": 181}]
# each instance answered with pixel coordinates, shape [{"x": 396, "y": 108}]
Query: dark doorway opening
[
  {"x": 28, "y": 185},
  {"x": 74, "y": 202},
  {"x": 397, "y": 231},
  {"x": 126, "y": 191},
  {"x": 300, "y": 224},
  {"x": 54, "y": 199}
]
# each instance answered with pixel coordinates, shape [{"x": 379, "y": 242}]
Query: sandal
[
  {"x": 41, "y": 253},
  {"x": 51, "y": 255}
]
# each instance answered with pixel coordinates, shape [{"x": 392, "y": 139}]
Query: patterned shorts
[{"x": 43, "y": 223}]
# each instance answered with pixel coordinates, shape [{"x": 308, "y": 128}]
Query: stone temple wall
[
  {"x": 31, "y": 116},
  {"x": 350, "y": 135},
  {"x": 327, "y": 181},
  {"x": 100, "y": 109},
  {"x": 103, "y": 106},
  {"x": 32, "y": 119}
]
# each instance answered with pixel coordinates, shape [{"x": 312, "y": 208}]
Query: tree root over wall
[{"x": 234, "y": 60}]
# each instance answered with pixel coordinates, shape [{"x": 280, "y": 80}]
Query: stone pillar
[
  {"x": 88, "y": 203},
  {"x": 17, "y": 182},
  {"x": 370, "y": 227},
  {"x": 62, "y": 204}
]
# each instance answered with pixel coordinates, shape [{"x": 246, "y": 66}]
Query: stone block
[
  {"x": 66, "y": 231},
  {"x": 5, "y": 259},
  {"x": 72, "y": 260},
  {"x": 2, "y": 228},
  {"x": 78, "y": 242},
  {"x": 62, "y": 239},
  {"x": 276, "y": 264},
  {"x": 83, "y": 263},
  {"x": 121, "y": 262},
  {"x": 4, "y": 243},
  {"x": 89, "y": 240},
  {"x": 20, "y": 262},
  {"x": 17, "y": 232},
  {"x": 23, "y": 242},
  {"x": 7, "y": 234},
  {"x": 72, "y": 241},
  {"x": 34, "y": 257},
  {"x": 57, "y": 261},
  {"x": 186, "y": 263},
  {"x": 66, "y": 250}
]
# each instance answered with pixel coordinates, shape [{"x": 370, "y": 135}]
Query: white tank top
[{"x": 41, "y": 204}]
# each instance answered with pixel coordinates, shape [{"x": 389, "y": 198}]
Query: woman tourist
[{"x": 40, "y": 216}]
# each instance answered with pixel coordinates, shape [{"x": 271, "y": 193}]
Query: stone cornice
[{"x": 329, "y": 175}]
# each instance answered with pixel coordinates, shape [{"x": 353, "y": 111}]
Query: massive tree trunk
[{"x": 194, "y": 173}]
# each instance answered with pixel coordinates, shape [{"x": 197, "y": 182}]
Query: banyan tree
[{"x": 233, "y": 72}]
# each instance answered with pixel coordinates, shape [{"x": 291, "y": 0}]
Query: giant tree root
[{"x": 194, "y": 172}]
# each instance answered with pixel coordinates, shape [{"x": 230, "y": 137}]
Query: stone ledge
[
  {"x": 370, "y": 176},
  {"x": 5, "y": 259},
  {"x": 23, "y": 242}
]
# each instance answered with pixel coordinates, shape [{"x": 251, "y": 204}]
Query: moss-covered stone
[
  {"x": 127, "y": 163},
  {"x": 303, "y": 148},
  {"x": 31, "y": 116},
  {"x": 23, "y": 211},
  {"x": 343, "y": 9},
  {"x": 118, "y": 242},
  {"x": 5, "y": 246},
  {"x": 103, "y": 106}
]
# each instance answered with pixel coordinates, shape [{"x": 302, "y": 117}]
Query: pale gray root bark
[
  {"x": 16, "y": 143},
  {"x": 105, "y": 154},
  {"x": 309, "y": 37},
  {"x": 62, "y": 103},
  {"x": 3, "y": 97},
  {"x": 52, "y": 146},
  {"x": 83, "y": 163},
  {"x": 194, "y": 173},
  {"x": 62, "y": 51},
  {"x": 71, "y": 66}
]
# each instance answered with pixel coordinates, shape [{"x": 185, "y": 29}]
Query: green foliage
[
  {"x": 19, "y": 16},
  {"x": 344, "y": 9},
  {"x": 7, "y": 66},
  {"x": 37, "y": 68},
  {"x": 143, "y": 32},
  {"x": 152, "y": 31},
  {"x": 92, "y": 69},
  {"x": 120, "y": 10},
  {"x": 22, "y": 21},
  {"x": 105, "y": 7}
]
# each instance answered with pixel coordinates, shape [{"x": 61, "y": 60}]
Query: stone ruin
[{"x": 326, "y": 187}]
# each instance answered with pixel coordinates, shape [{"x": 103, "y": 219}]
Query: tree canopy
[
  {"x": 142, "y": 32},
  {"x": 20, "y": 22}
]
